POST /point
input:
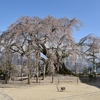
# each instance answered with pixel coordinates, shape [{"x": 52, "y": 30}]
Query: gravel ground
[{"x": 52, "y": 91}]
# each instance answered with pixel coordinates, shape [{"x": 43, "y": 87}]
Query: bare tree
[
  {"x": 6, "y": 55},
  {"x": 91, "y": 48},
  {"x": 49, "y": 36}
]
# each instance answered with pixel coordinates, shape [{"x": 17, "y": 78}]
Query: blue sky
[{"x": 87, "y": 11}]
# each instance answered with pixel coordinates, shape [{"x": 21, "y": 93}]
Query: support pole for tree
[
  {"x": 52, "y": 71},
  {"x": 37, "y": 66},
  {"x": 75, "y": 69},
  {"x": 28, "y": 70},
  {"x": 44, "y": 71},
  {"x": 52, "y": 77}
]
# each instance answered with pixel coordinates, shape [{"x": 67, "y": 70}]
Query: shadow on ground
[{"x": 86, "y": 80}]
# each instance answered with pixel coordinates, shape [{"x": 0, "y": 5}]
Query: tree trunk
[
  {"x": 6, "y": 73},
  {"x": 64, "y": 70},
  {"x": 6, "y": 80},
  {"x": 94, "y": 64}
]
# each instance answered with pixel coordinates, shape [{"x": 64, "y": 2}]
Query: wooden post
[{"x": 77, "y": 80}]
